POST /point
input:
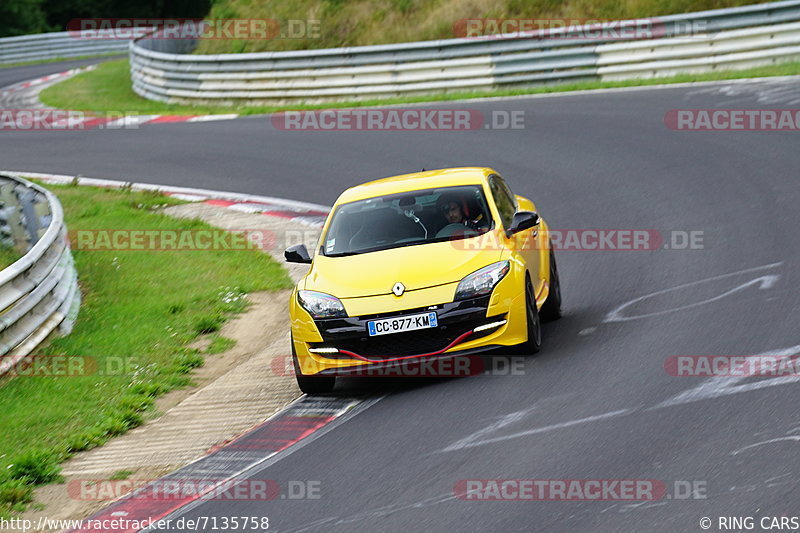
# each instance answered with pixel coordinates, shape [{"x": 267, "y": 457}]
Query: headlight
[
  {"x": 481, "y": 282},
  {"x": 321, "y": 305}
]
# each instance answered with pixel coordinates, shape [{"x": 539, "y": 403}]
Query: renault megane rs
[{"x": 426, "y": 265}]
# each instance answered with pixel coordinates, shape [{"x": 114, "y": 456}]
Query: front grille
[
  {"x": 455, "y": 319},
  {"x": 408, "y": 343},
  {"x": 404, "y": 312}
]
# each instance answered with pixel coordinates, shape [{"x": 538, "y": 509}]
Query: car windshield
[{"x": 407, "y": 219}]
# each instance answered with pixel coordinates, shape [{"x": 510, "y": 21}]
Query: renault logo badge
[{"x": 398, "y": 289}]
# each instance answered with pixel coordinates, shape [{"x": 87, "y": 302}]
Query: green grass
[
  {"x": 364, "y": 22},
  {"x": 8, "y": 255},
  {"x": 139, "y": 307},
  {"x": 107, "y": 89},
  {"x": 220, "y": 344},
  {"x": 120, "y": 475},
  {"x": 57, "y": 60}
]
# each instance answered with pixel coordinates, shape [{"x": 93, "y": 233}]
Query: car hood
[{"x": 416, "y": 267}]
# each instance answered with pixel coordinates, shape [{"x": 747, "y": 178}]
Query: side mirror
[
  {"x": 523, "y": 220},
  {"x": 297, "y": 254}
]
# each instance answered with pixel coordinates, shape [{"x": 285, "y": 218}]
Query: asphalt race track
[{"x": 596, "y": 403}]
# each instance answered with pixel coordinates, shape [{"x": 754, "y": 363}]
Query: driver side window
[{"x": 503, "y": 199}]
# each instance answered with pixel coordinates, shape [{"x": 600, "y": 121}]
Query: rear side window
[{"x": 503, "y": 199}]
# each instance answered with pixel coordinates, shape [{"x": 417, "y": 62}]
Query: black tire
[
  {"x": 551, "y": 310},
  {"x": 534, "y": 342},
  {"x": 311, "y": 385}
]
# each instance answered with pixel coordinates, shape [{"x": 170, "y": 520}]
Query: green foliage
[
  {"x": 134, "y": 330},
  {"x": 8, "y": 255},
  {"x": 35, "y": 467},
  {"x": 365, "y": 22},
  {"x": 14, "y": 492},
  {"x": 220, "y": 344},
  {"x": 208, "y": 324},
  {"x": 20, "y": 17},
  {"x": 185, "y": 363},
  {"x": 120, "y": 475}
]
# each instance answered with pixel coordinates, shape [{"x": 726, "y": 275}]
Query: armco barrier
[
  {"x": 39, "y": 292},
  {"x": 741, "y": 37},
  {"x": 55, "y": 46}
]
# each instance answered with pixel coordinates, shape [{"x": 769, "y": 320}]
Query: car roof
[{"x": 446, "y": 177}]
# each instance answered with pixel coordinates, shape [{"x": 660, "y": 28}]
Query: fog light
[
  {"x": 323, "y": 350},
  {"x": 490, "y": 325}
]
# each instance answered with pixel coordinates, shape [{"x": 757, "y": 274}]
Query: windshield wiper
[{"x": 343, "y": 254}]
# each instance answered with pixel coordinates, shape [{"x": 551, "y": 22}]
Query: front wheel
[
  {"x": 311, "y": 385},
  {"x": 551, "y": 310},
  {"x": 534, "y": 342}
]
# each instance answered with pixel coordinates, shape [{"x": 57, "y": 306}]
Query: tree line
[{"x": 22, "y": 17}]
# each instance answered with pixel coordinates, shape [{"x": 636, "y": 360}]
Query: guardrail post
[
  {"x": 39, "y": 293},
  {"x": 30, "y": 219},
  {"x": 43, "y": 215},
  {"x": 13, "y": 217}
]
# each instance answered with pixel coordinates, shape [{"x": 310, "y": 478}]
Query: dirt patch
[{"x": 267, "y": 313}]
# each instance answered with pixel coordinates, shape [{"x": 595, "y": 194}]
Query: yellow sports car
[{"x": 426, "y": 265}]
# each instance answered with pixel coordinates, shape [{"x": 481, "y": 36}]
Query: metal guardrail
[
  {"x": 741, "y": 37},
  {"x": 39, "y": 292},
  {"x": 55, "y": 46}
]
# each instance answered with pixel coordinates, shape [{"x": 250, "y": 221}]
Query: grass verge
[
  {"x": 140, "y": 311},
  {"x": 58, "y": 60},
  {"x": 107, "y": 89},
  {"x": 8, "y": 255}
]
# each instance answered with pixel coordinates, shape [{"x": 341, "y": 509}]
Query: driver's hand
[{"x": 476, "y": 223}]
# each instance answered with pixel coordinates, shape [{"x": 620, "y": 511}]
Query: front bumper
[
  {"x": 455, "y": 319},
  {"x": 348, "y": 347},
  {"x": 460, "y": 363}
]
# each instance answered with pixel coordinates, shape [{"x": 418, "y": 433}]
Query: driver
[
  {"x": 455, "y": 212},
  {"x": 452, "y": 212}
]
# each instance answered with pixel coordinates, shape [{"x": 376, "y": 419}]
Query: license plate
[{"x": 401, "y": 323}]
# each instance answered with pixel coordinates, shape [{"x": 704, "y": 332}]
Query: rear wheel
[
  {"x": 534, "y": 342},
  {"x": 551, "y": 310},
  {"x": 311, "y": 385}
]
